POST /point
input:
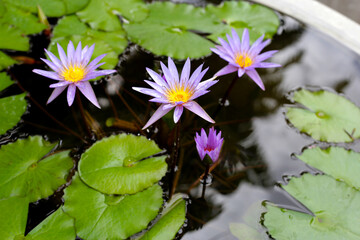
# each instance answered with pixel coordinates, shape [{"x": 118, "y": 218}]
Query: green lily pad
[
  {"x": 239, "y": 15},
  {"x": 15, "y": 24},
  {"x": 25, "y": 172},
  {"x": 170, "y": 30},
  {"x": 25, "y": 21},
  {"x": 5, "y": 81},
  {"x": 335, "y": 205},
  {"x": 5, "y": 61},
  {"x": 53, "y": 8},
  {"x": 58, "y": 226},
  {"x": 102, "y": 15},
  {"x": 172, "y": 218},
  {"x": 13, "y": 216},
  {"x": 111, "y": 43},
  {"x": 100, "y": 216},
  {"x": 337, "y": 162},
  {"x": 11, "y": 109},
  {"x": 116, "y": 165},
  {"x": 12, "y": 38},
  {"x": 326, "y": 116}
]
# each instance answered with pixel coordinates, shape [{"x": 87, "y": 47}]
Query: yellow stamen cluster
[
  {"x": 243, "y": 60},
  {"x": 179, "y": 95},
  {"x": 73, "y": 73}
]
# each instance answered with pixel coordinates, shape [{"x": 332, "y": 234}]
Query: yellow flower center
[
  {"x": 243, "y": 60},
  {"x": 179, "y": 95},
  {"x": 73, "y": 73}
]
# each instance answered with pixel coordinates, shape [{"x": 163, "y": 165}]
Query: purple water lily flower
[
  {"x": 73, "y": 71},
  {"x": 209, "y": 145},
  {"x": 244, "y": 58},
  {"x": 177, "y": 92}
]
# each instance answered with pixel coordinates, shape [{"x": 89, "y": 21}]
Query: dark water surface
[{"x": 258, "y": 142}]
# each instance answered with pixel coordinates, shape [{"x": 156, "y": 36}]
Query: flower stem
[
  {"x": 130, "y": 109},
  {"x": 78, "y": 100},
  {"x": 48, "y": 114},
  {"x": 206, "y": 174},
  {"x": 174, "y": 158},
  {"x": 225, "y": 97}
]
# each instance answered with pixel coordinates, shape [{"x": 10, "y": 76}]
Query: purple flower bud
[{"x": 209, "y": 145}]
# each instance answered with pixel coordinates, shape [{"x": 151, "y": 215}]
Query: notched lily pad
[
  {"x": 239, "y": 15},
  {"x": 337, "y": 162},
  {"x": 172, "y": 218},
  {"x": 111, "y": 43},
  {"x": 116, "y": 165},
  {"x": 172, "y": 30},
  {"x": 102, "y": 15},
  {"x": 325, "y": 116},
  {"x": 11, "y": 109},
  {"x": 100, "y": 216},
  {"x": 25, "y": 172},
  {"x": 335, "y": 205}
]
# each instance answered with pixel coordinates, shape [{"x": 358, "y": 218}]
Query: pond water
[{"x": 258, "y": 142}]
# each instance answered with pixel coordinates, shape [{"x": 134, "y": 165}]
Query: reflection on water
[{"x": 311, "y": 59}]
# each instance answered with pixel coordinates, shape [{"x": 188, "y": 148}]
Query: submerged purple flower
[
  {"x": 244, "y": 58},
  {"x": 73, "y": 71},
  {"x": 177, "y": 92},
  {"x": 210, "y": 145}
]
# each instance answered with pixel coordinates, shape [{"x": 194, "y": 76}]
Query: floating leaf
[
  {"x": 5, "y": 81},
  {"x": 13, "y": 216},
  {"x": 5, "y": 61},
  {"x": 111, "y": 43},
  {"x": 326, "y": 116},
  {"x": 25, "y": 172},
  {"x": 11, "y": 109},
  {"x": 12, "y": 38},
  {"x": 335, "y": 205},
  {"x": 26, "y": 22},
  {"x": 53, "y": 8},
  {"x": 172, "y": 218},
  {"x": 244, "y": 232},
  {"x": 15, "y": 24},
  {"x": 171, "y": 30},
  {"x": 100, "y": 216},
  {"x": 116, "y": 165},
  {"x": 102, "y": 14},
  {"x": 239, "y": 15},
  {"x": 57, "y": 226},
  {"x": 335, "y": 161}
]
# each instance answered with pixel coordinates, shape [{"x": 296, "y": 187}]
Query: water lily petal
[
  {"x": 63, "y": 58},
  {"x": 70, "y": 53},
  {"x": 55, "y": 93},
  {"x": 256, "y": 78},
  {"x": 88, "y": 92},
  {"x": 173, "y": 71},
  {"x": 177, "y": 113},
  {"x": 226, "y": 70},
  {"x": 159, "y": 113},
  {"x": 185, "y": 74},
  {"x": 59, "y": 84},
  {"x": 71, "y": 94},
  {"x": 48, "y": 74},
  {"x": 198, "y": 110}
]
